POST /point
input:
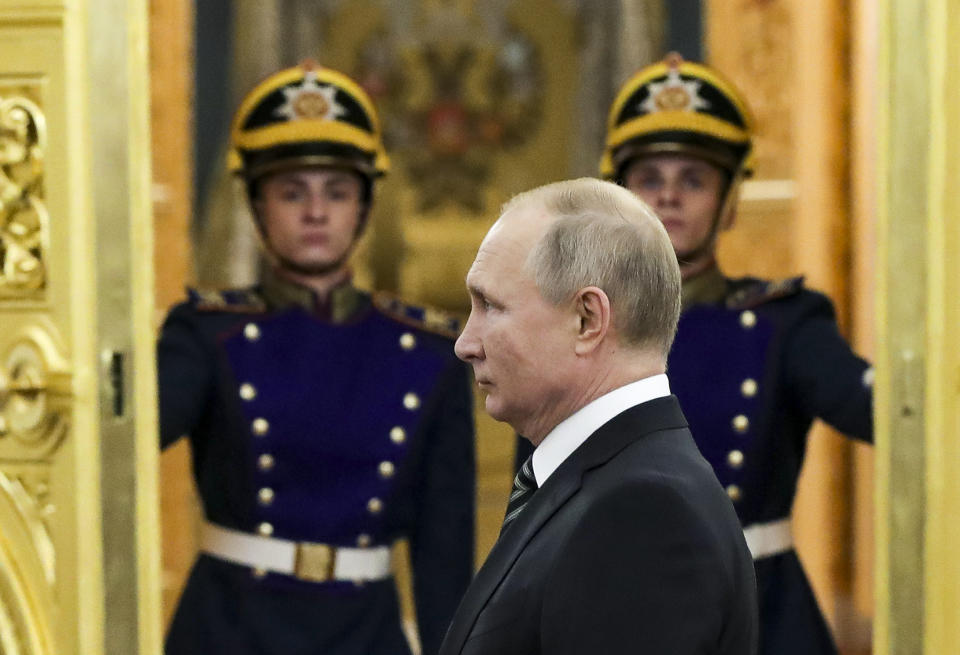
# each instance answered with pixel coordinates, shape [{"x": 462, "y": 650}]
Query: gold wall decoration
[
  {"x": 26, "y": 555},
  {"x": 761, "y": 63},
  {"x": 456, "y": 89},
  {"x": 23, "y": 215},
  {"x": 34, "y": 395},
  {"x": 477, "y": 100},
  {"x": 29, "y": 490}
]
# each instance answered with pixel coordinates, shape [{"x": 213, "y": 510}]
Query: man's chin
[{"x": 495, "y": 408}]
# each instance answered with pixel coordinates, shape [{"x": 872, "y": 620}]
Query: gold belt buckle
[{"x": 314, "y": 562}]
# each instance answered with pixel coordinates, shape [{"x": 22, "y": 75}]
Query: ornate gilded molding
[
  {"x": 11, "y": 642},
  {"x": 34, "y": 396},
  {"x": 30, "y": 493},
  {"x": 27, "y": 573},
  {"x": 24, "y": 221}
]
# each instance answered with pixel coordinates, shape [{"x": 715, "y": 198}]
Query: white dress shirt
[{"x": 574, "y": 430}]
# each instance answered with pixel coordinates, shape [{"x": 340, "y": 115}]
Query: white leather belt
[
  {"x": 768, "y": 539},
  {"x": 304, "y": 560}
]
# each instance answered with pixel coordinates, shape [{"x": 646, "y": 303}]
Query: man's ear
[{"x": 593, "y": 309}]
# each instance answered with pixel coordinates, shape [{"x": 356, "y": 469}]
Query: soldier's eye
[
  {"x": 290, "y": 194},
  {"x": 340, "y": 194},
  {"x": 693, "y": 182}
]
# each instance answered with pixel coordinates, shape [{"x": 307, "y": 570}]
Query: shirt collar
[{"x": 575, "y": 429}]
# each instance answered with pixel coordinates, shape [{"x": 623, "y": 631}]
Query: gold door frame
[
  {"x": 918, "y": 372},
  {"x": 79, "y": 538}
]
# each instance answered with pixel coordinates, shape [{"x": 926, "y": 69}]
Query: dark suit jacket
[{"x": 631, "y": 546}]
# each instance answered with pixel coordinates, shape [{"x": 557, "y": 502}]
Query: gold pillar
[{"x": 918, "y": 440}]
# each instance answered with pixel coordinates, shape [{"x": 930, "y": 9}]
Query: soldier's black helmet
[
  {"x": 676, "y": 106},
  {"x": 306, "y": 116}
]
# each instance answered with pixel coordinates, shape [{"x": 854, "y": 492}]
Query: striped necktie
[{"x": 524, "y": 485}]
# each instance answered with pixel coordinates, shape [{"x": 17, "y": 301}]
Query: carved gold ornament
[
  {"x": 26, "y": 566},
  {"x": 34, "y": 395},
  {"x": 24, "y": 221}
]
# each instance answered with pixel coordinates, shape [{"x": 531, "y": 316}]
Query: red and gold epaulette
[
  {"x": 762, "y": 291},
  {"x": 425, "y": 318},
  {"x": 240, "y": 301}
]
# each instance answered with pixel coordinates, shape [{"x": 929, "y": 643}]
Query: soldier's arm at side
[
  {"x": 829, "y": 380},
  {"x": 184, "y": 375},
  {"x": 442, "y": 544}
]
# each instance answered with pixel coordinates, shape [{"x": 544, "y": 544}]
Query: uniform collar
[
  {"x": 709, "y": 287},
  {"x": 344, "y": 301}
]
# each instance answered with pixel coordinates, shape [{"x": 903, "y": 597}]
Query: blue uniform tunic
[
  {"x": 347, "y": 424},
  {"x": 753, "y": 363}
]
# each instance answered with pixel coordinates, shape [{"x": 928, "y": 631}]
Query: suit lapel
[
  {"x": 611, "y": 438},
  {"x": 505, "y": 552}
]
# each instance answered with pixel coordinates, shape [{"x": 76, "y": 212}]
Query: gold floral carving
[{"x": 24, "y": 222}]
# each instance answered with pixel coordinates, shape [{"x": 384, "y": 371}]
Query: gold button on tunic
[{"x": 251, "y": 331}]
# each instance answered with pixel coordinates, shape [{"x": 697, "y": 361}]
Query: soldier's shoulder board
[
  {"x": 241, "y": 301},
  {"x": 754, "y": 293},
  {"x": 425, "y": 318}
]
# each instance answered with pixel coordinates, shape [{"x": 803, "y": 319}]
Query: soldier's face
[
  {"x": 310, "y": 217},
  {"x": 521, "y": 346},
  {"x": 685, "y": 192}
]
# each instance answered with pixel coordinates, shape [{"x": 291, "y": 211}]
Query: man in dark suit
[{"x": 618, "y": 537}]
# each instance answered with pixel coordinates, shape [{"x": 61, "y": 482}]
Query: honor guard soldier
[
  {"x": 754, "y": 361},
  {"x": 325, "y": 423}
]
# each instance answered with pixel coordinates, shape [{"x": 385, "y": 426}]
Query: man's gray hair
[{"x": 604, "y": 236}]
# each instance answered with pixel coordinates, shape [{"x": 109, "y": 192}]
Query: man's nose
[{"x": 468, "y": 346}]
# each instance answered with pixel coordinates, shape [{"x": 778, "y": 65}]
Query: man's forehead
[
  {"x": 505, "y": 248},
  {"x": 521, "y": 225}
]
